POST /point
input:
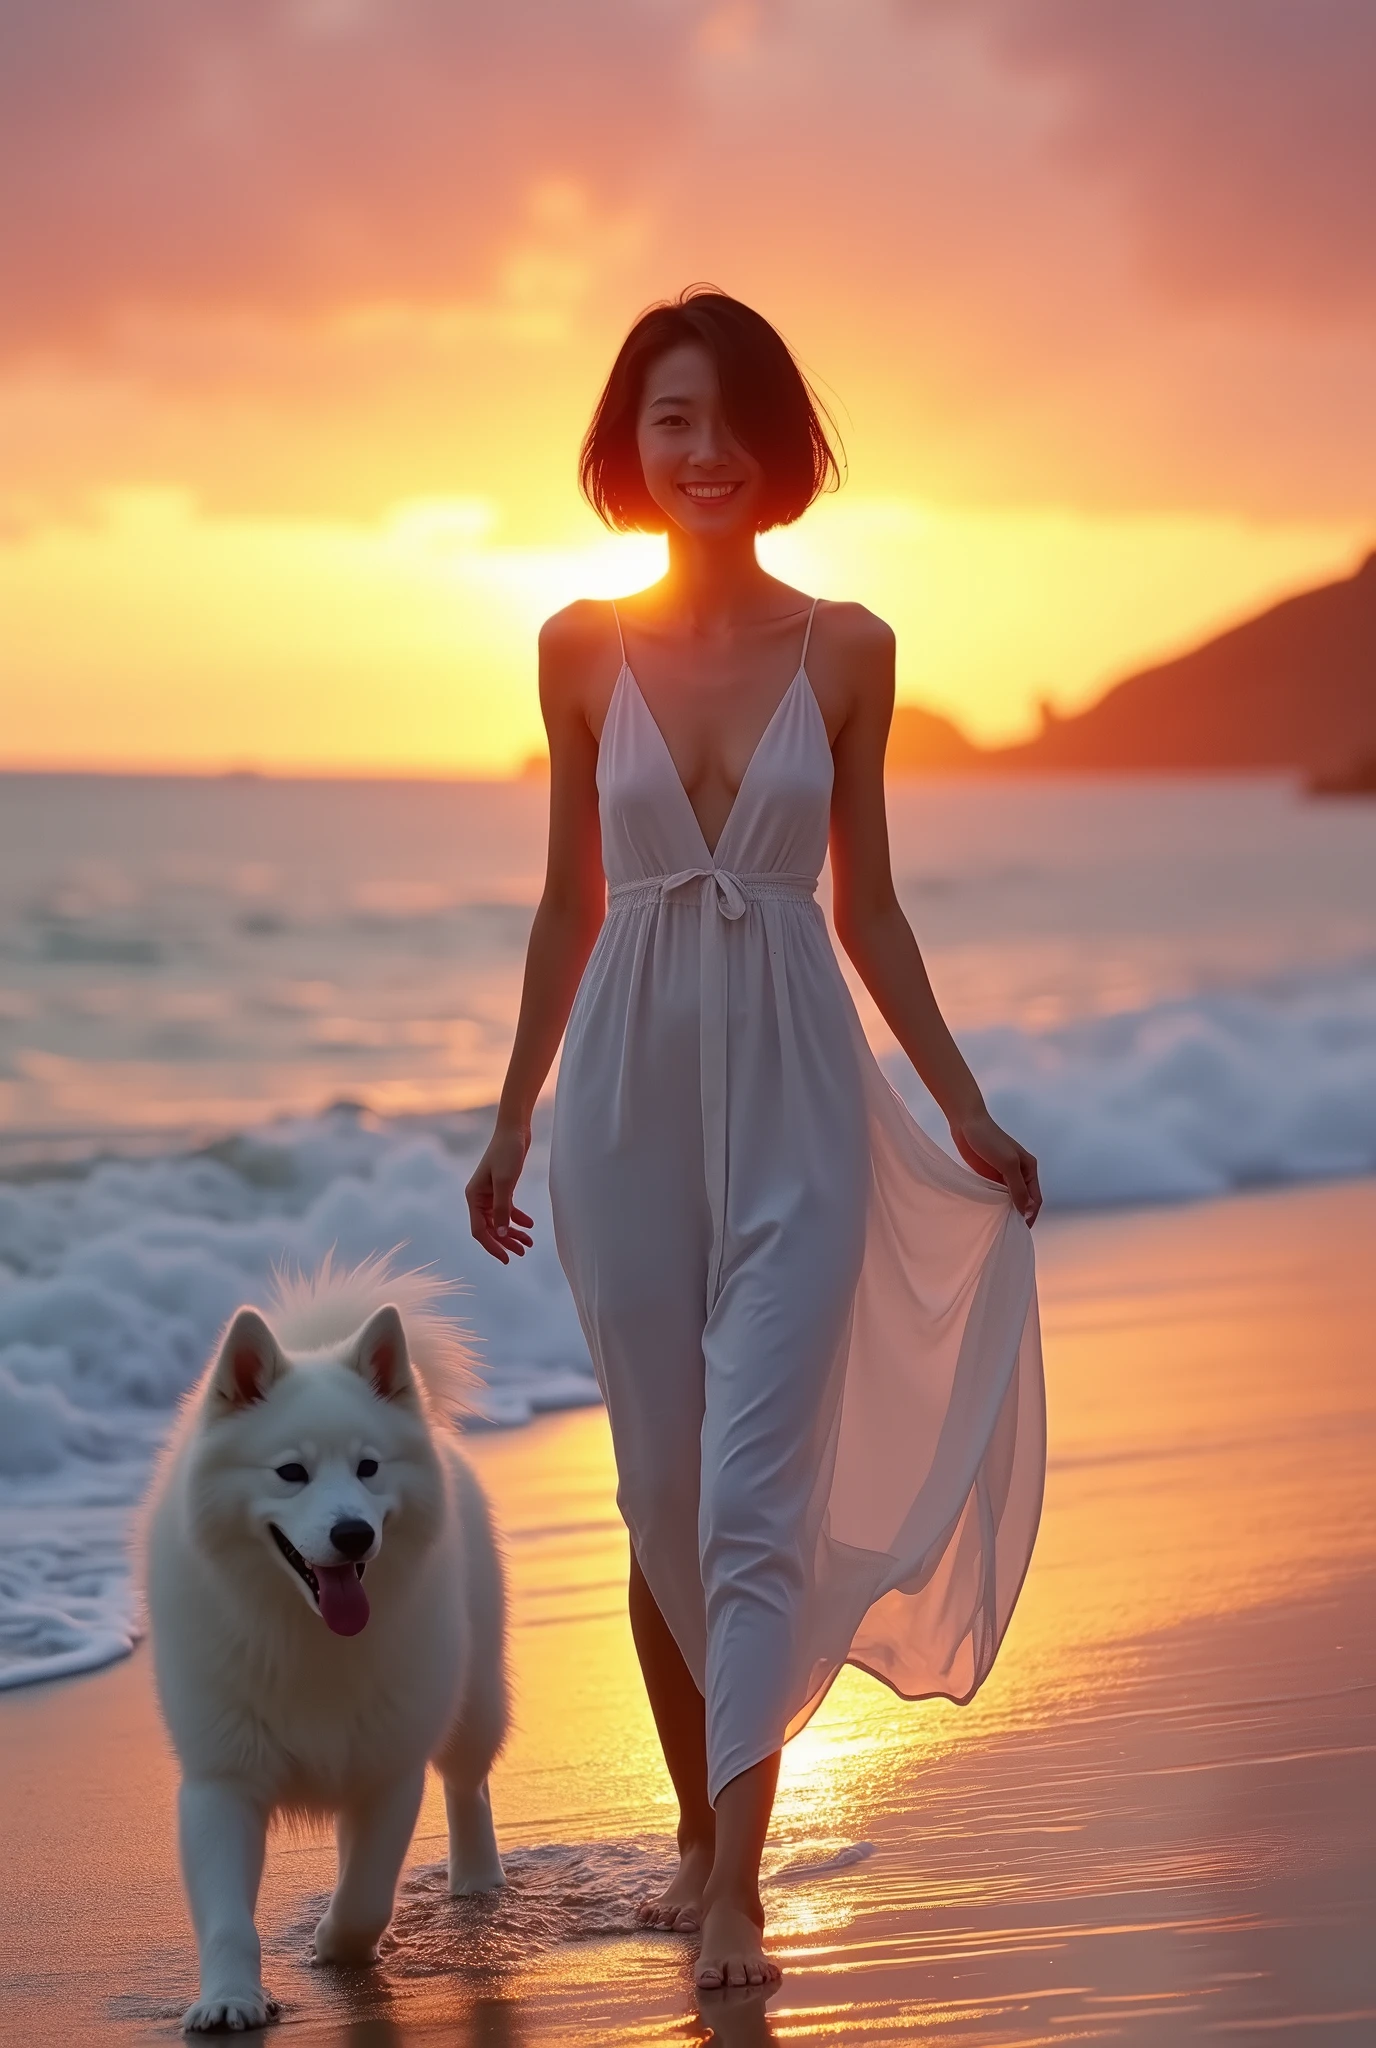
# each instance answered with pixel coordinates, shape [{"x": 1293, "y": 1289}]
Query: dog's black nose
[{"x": 352, "y": 1537}]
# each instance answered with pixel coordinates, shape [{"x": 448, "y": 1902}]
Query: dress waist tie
[{"x": 723, "y": 897}]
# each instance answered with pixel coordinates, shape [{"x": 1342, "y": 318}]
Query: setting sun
[{"x": 152, "y": 633}]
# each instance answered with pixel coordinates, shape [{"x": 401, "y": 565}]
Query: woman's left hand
[{"x": 991, "y": 1152}]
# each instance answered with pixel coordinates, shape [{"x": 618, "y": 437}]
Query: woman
[{"x": 815, "y": 1333}]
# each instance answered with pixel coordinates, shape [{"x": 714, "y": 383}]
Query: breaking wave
[{"x": 115, "y": 1274}]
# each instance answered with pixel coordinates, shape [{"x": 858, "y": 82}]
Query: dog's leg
[
  {"x": 463, "y": 1763},
  {"x": 479, "y": 1726},
  {"x": 373, "y": 1839},
  {"x": 223, "y": 1836},
  {"x": 474, "y": 1863}
]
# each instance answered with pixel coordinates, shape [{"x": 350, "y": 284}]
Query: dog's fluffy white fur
[{"x": 291, "y": 1682}]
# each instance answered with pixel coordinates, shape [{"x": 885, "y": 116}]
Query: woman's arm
[
  {"x": 567, "y": 920},
  {"x": 877, "y": 936}
]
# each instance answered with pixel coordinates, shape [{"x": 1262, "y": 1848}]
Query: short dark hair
[{"x": 769, "y": 404}]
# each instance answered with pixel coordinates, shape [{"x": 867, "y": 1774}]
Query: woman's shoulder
[
  {"x": 578, "y": 649},
  {"x": 853, "y": 630},
  {"x": 578, "y": 660},
  {"x": 579, "y": 629}
]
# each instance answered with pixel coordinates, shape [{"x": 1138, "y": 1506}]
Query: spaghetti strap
[
  {"x": 802, "y": 658},
  {"x": 621, "y": 636}
]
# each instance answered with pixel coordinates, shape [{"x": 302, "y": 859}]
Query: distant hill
[
  {"x": 1294, "y": 687},
  {"x": 923, "y": 743}
]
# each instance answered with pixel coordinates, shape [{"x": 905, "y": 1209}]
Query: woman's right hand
[{"x": 491, "y": 1212}]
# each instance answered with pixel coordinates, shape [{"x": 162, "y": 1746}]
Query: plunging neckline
[{"x": 801, "y": 676}]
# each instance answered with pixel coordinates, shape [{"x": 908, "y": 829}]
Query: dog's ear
[
  {"x": 379, "y": 1355},
  {"x": 250, "y": 1362}
]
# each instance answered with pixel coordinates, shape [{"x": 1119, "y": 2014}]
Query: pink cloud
[
  {"x": 1240, "y": 133},
  {"x": 1110, "y": 251},
  {"x": 297, "y": 153}
]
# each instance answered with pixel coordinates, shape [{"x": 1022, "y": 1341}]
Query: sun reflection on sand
[{"x": 1081, "y": 1805}]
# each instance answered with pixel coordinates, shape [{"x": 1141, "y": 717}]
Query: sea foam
[
  {"x": 117, "y": 1278},
  {"x": 116, "y": 1274},
  {"x": 1196, "y": 1097}
]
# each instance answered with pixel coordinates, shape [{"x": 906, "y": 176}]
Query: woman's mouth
[{"x": 709, "y": 494}]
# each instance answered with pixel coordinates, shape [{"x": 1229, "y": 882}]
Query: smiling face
[
  {"x": 327, "y": 1498},
  {"x": 306, "y": 1464},
  {"x": 696, "y": 470}
]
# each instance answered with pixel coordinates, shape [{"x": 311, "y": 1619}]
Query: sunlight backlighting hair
[{"x": 769, "y": 404}]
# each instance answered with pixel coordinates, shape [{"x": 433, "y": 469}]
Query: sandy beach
[{"x": 1155, "y": 1824}]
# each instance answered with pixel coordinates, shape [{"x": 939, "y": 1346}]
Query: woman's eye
[
  {"x": 295, "y": 1475},
  {"x": 367, "y": 1468}
]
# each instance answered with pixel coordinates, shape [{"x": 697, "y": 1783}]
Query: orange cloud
[
  {"x": 314, "y": 253},
  {"x": 1239, "y": 135},
  {"x": 1088, "y": 285},
  {"x": 294, "y": 156}
]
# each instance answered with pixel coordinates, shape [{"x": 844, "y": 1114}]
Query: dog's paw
[
  {"x": 484, "y": 1877},
  {"x": 351, "y": 1947},
  {"x": 233, "y": 2012}
]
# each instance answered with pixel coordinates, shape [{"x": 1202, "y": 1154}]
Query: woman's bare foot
[
  {"x": 732, "y": 1949},
  {"x": 678, "y": 1908}
]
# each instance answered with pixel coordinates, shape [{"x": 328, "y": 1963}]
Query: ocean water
[{"x": 243, "y": 1022}]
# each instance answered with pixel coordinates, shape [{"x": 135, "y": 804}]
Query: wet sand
[{"x": 1156, "y": 1824}]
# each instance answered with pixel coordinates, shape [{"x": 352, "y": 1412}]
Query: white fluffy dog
[{"x": 327, "y": 1614}]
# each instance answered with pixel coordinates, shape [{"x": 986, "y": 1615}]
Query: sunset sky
[{"x": 304, "y": 303}]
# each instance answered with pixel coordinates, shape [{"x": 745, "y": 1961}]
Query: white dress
[{"x": 815, "y": 1333}]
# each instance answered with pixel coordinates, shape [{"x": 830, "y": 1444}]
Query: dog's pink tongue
[{"x": 343, "y": 1602}]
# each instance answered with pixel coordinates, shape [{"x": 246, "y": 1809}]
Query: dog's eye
[
  {"x": 367, "y": 1468},
  {"x": 295, "y": 1475}
]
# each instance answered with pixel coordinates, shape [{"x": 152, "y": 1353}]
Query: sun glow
[{"x": 157, "y": 634}]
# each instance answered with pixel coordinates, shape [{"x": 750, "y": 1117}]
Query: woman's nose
[{"x": 710, "y": 450}]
